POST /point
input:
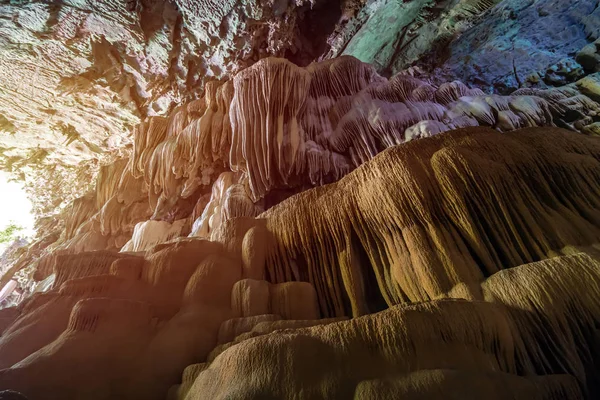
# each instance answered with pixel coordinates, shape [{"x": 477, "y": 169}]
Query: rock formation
[
  {"x": 506, "y": 224},
  {"x": 326, "y": 229}
]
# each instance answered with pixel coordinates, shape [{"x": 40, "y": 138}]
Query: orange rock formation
[{"x": 287, "y": 237}]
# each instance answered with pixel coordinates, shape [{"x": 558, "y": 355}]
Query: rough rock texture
[
  {"x": 74, "y": 81},
  {"x": 369, "y": 230},
  {"x": 392, "y": 34},
  {"x": 76, "y": 76},
  {"x": 522, "y": 43},
  {"x": 274, "y": 130},
  {"x": 497, "y": 46},
  {"x": 126, "y": 326}
]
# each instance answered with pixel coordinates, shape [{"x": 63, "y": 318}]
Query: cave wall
[
  {"x": 78, "y": 76},
  {"x": 413, "y": 235}
]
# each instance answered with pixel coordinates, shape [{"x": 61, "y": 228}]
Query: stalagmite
[
  {"x": 234, "y": 327},
  {"x": 251, "y": 298},
  {"x": 521, "y": 312}
]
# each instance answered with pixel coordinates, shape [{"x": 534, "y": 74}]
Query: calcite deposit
[
  {"x": 77, "y": 76},
  {"x": 283, "y": 210},
  {"x": 404, "y": 231}
]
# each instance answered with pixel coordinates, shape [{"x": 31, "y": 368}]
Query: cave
[{"x": 309, "y": 199}]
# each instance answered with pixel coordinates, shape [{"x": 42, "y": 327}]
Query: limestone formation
[
  {"x": 464, "y": 215},
  {"x": 75, "y": 77},
  {"x": 256, "y": 227},
  {"x": 235, "y": 154}
]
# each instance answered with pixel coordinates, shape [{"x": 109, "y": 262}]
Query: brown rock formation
[
  {"x": 472, "y": 215},
  {"x": 75, "y": 77},
  {"x": 277, "y": 129},
  {"x": 216, "y": 222}
]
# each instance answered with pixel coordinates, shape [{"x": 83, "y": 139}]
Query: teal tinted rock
[
  {"x": 589, "y": 56},
  {"x": 517, "y": 39},
  {"x": 378, "y": 40}
]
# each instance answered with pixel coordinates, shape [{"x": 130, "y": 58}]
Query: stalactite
[
  {"x": 302, "y": 199},
  {"x": 264, "y": 116},
  {"x": 108, "y": 180},
  {"x": 335, "y": 115},
  {"x": 146, "y": 136},
  {"x": 79, "y": 212},
  {"x": 421, "y": 205}
]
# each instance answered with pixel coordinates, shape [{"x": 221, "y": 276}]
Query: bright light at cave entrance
[{"x": 15, "y": 208}]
